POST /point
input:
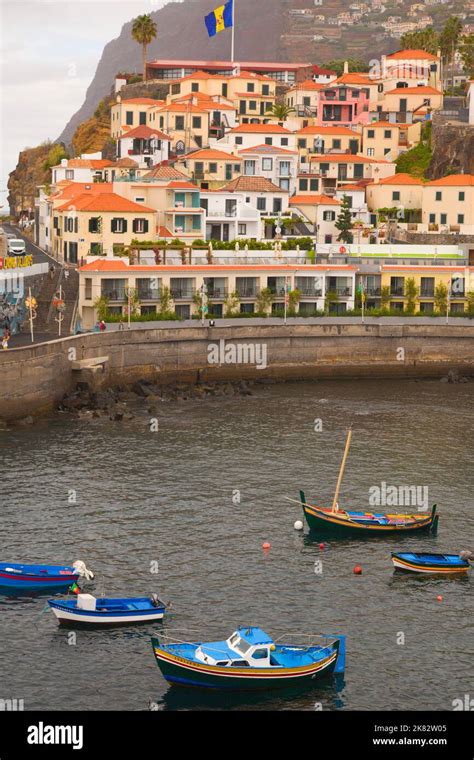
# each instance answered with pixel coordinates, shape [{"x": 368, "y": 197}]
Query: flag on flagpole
[{"x": 221, "y": 18}]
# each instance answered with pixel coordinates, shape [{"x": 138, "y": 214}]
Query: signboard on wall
[{"x": 16, "y": 262}]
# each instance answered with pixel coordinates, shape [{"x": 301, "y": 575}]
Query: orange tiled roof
[
  {"x": 104, "y": 202},
  {"x": 262, "y": 128},
  {"x": 164, "y": 172},
  {"x": 345, "y": 188},
  {"x": 308, "y": 84},
  {"x": 422, "y": 90},
  {"x": 106, "y": 265},
  {"x": 313, "y": 200},
  {"x": 384, "y": 124},
  {"x": 85, "y": 163},
  {"x": 73, "y": 189},
  {"x": 252, "y": 185},
  {"x": 218, "y": 155},
  {"x": 145, "y": 133},
  {"x": 453, "y": 180},
  {"x": 412, "y": 55},
  {"x": 178, "y": 185},
  {"x": 354, "y": 77},
  {"x": 400, "y": 179}
]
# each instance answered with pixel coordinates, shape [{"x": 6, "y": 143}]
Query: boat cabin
[{"x": 247, "y": 647}]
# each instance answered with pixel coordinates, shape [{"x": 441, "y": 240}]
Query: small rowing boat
[
  {"x": 417, "y": 562},
  {"x": 348, "y": 522},
  {"x": 248, "y": 659},
  {"x": 39, "y": 577},
  {"x": 86, "y": 610}
]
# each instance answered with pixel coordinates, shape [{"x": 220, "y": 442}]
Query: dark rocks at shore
[
  {"x": 453, "y": 376},
  {"x": 85, "y": 403}
]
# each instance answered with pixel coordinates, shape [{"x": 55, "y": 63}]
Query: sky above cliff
[{"x": 49, "y": 53}]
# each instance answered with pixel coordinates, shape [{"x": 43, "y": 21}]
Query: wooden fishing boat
[
  {"x": 40, "y": 577},
  {"x": 349, "y": 523},
  {"x": 86, "y": 610},
  {"x": 248, "y": 659},
  {"x": 417, "y": 562}
]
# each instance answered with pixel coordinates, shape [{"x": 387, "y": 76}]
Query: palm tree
[
  {"x": 280, "y": 111},
  {"x": 144, "y": 32}
]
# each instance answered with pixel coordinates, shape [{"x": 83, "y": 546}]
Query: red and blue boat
[
  {"x": 443, "y": 564},
  {"x": 15, "y": 576},
  {"x": 249, "y": 659}
]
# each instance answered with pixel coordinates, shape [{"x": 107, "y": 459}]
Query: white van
[{"x": 16, "y": 247}]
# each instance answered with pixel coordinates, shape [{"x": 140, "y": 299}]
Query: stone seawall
[{"x": 34, "y": 379}]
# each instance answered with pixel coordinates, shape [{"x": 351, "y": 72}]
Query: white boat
[{"x": 87, "y": 610}]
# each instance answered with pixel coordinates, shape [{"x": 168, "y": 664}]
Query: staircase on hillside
[{"x": 45, "y": 321}]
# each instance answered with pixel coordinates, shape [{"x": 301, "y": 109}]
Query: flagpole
[{"x": 233, "y": 33}]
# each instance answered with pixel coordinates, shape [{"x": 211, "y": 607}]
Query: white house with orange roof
[
  {"x": 250, "y": 135},
  {"x": 130, "y": 113},
  {"x": 86, "y": 168},
  {"x": 277, "y": 164},
  {"x": 400, "y": 190},
  {"x": 302, "y": 97},
  {"x": 93, "y": 223},
  {"x": 448, "y": 204},
  {"x": 144, "y": 145},
  {"x": 413, "y": 63},
  {"x": 261, "y": 194},
  {"x": 321, "y": 211},
  {"x": 210, "y": 168}
]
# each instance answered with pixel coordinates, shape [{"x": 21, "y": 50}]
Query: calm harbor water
[{"x": 199, "y": 497}]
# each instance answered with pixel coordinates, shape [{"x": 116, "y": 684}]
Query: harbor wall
[{"x": 34, "y": 379}]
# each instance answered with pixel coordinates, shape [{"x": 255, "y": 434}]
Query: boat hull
[
  {"x": 35, "y": 577},
  {"x": 87, "y": 618},
  {"x": 180, "y": 671},
  {"x": 337, "y": 524},
  {"x": 409, "y": 564}
]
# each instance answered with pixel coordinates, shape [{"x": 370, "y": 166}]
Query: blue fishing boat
[
  {"x": 248, "y": 659},
  {"x": 86, "y": 610},
  {"x": 445, "y": 564},
  {"x": 39, "y": 577}
]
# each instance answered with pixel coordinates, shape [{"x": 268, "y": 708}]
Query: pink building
[{"x": 342, "y": 105}]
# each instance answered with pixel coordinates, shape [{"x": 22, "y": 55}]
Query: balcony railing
[
  {"x": 217, "y": 293},
  {"x": 114, "y": 295},
  {"x": 456, "y": 294},
  {"x": 150, "y": 294},
  {"x": 373, "y": 292},
  {"x": 427, "y": 293},
  {"x": 247, "y": 292},
  {"x": 397, "y": 291},
  {"x": 310, "y": 292},
  {"x": 341, "y": 291},
  {"x": 182, "y": 293}
]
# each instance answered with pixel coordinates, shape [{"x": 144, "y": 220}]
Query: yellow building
[
  {"x": 210, "y": 169},
  {"x": 401, "y": 190},
  {"x": 396, "y": 281},
  {"x": 130, "y": 113},
  {"x": 384, "y": 139},
  {"x": 91, "y": 224},
  {"x": 449, "y": 201},
  {"x": 312, "y": 140},
  {"x": 192, "y": 122},
  {"x": 416, "y": 100},
  {"x": 252, "y": 95}
]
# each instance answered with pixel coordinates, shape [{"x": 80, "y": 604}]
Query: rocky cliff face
[
  {"x": 453, "y": 150},
  {"x": 28, "y": 174}
]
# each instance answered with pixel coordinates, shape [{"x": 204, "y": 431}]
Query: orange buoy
[
  {"x": 266, "y": 545},
  {"x": 357, "y": 570},
  {"x": 321, "y": 546},
  {"x": 439, "y": 598}
]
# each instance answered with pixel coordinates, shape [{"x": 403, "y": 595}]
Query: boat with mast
[{"x": 341, "y": 522}]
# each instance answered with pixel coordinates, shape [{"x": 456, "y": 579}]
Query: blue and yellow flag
[{"x": 220, "y": 19}]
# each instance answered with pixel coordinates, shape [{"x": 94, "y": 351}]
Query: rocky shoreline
[{"x": 115, "y": 402}]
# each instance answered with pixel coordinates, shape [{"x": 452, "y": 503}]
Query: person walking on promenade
[{"x": 102, "y": 325}]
